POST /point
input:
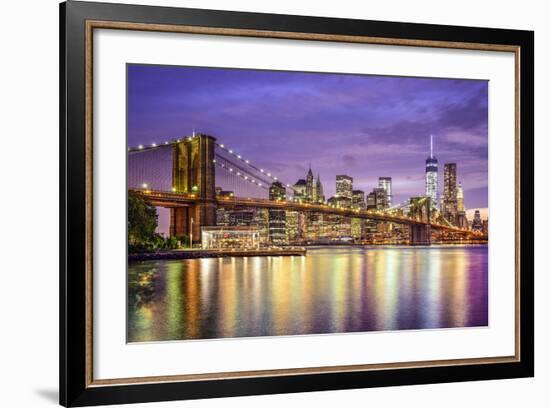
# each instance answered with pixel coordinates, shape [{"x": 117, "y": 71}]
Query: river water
[{"x": 331, "y": 290}]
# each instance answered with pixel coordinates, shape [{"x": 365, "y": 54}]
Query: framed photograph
[{"x": 256, "y": 203}]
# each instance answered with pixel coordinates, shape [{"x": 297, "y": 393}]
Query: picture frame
[{"x": 78, "y": 20}]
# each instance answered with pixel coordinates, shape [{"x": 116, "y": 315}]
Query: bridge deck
[{"x": 171, "y": 199}]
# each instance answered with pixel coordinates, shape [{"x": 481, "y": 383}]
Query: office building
[
  {"x": 431, "y": 175},
  {"x": 385, "y": 184}
]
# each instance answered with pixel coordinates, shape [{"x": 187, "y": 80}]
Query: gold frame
[{"x": 99, "y": 24}]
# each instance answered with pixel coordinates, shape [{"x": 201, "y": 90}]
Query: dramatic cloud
[{"x": 364, "y": 126}]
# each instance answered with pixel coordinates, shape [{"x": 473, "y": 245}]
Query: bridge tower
[
  {"x": 420, "y": 210},
  {"x": 193, "y": 172}
]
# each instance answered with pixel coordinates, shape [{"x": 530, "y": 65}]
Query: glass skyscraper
[
  {"x": 385, "y": 183},
  {"x": 344, "y": 186},
  {"x": 450, "y": 193},
  {"x": 431, "y": 175}
]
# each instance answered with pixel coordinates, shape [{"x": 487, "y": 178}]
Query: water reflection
[{"x": 332, "y": 290}]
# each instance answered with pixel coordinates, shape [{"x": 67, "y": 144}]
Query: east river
[{"x": 331, "y": 290}]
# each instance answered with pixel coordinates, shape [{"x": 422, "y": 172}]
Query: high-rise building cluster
[
  {"x": 309, "y": 190},
  {"x": 452, "y": 207},
  {"x": 279, "y": 226}
]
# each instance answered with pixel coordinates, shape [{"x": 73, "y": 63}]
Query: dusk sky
[{"x": 359, "y": 125}]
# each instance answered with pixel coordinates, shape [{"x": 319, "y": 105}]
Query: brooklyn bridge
[{"x": 182, "y": 175}]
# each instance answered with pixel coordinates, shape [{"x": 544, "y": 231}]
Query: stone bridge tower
[
  {"x": 193, "y": 172},
  {"x": 420, "y": 210}
]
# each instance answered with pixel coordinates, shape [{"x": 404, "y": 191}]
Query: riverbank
[
  {"x": 203, "y": 253},
  {"x": 404, "y": 244}
]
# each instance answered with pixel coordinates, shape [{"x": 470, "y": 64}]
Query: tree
[{"x": 142, "y": 221}]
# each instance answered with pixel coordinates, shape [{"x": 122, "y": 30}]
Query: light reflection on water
[{"x": 331, "y": 290}]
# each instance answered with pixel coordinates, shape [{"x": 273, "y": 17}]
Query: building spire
[{"x": 431, "y": 146}]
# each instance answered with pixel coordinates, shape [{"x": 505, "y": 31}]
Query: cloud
[{"x": 366, "y": 126}]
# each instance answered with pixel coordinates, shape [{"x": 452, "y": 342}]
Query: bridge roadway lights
[{"x": 419, "y": 234}]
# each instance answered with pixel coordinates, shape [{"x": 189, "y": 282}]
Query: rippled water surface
[{"x": 331, "y": 290}]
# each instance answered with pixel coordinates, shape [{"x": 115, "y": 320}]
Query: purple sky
[{"x": 363, "y": 126}]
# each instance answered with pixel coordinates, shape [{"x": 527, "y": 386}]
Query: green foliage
[
  {"x": 171, "y": 243},
  {"x": 142, "y": 222},
  {"x": 184, "y": 241}
]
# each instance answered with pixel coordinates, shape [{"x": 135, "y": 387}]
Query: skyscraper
[
  {"x": 431, "y": 175},
  {"x": 320, "y": 195},
  {"x": 385, "y": 183},
  {"x": 358, "y": 199},
  {"x": 477, "y": 224},
  {"x": 377, "y": 199},
  {"x": 460, "y": 198},
  {"x": 462, "y": 221},
  {"x": 344, "y": 186},
  {"x": 300, "y": 190},
  {"x": 277, "y": 217},
  {"x": 310, "y": 186},
  {"x": 450, "y": 193}
]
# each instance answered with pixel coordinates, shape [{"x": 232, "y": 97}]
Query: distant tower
[
  {"x": 450, "y": 196},
  {"x": 277, "y": 217},
  {"x": 431, "y": 174},
  {"x": 310, "y": 186},
  {"x": 462, "y": 221},
  {"x": 319, "y": 190},
  {"x": 477, "y": 224},
  {"x": 385, "y": 183},
  {"x": 460, "y": 198}
]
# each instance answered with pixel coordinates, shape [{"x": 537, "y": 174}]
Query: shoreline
[
  {"x": 205, "y": 253},
  {"x": 292, "y": 251}
]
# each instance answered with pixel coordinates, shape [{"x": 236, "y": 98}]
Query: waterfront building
[
  {"x": 221, "y": 237},
  {"x": 460, "y": 198},
  {"x": 320, "y": 195},
  {"x": 357, "y": 228},
  {"x": 344, "y": 186},
  {"x": 222, "y": 216},
  {"x": 241, "y": 217},
  {"x": 293, "y": 230},
  {"x": 385, "y": 184},
  {"x": 358, "y": 199},
  {"x": 431, "y": 175},
  {"x": 261, "y": 221},
  {"x": 462, "y": 221},
  {"x": 277, "y": 217},
  {"x": 339, "y": 202},
  {"x": 377, "y": 199},
  {"x": 311, "y": 187},
  {"x": 450, "y": 194},
  {"x": 477, "y": 224},
  {"x": 299, "y": 188}
]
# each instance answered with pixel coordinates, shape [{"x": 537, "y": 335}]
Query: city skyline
[{"x": 393, "y": 146}]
